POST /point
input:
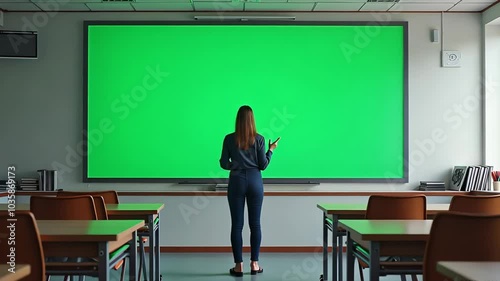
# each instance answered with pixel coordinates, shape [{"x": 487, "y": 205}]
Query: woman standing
[{"x": 245, "y": 155}]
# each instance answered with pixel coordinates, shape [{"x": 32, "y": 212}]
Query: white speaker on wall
[{"x": 435, "y": 35}]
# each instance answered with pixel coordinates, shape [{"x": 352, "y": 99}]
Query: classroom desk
[
  {"x": 95, "y": 238},
  {"x": 149, "y": 212},
  {"x": 332, "y": 212},
  {"x": 22, "y": 270},
  {"x": 371, "y": 239},
  {"x": 464, "y": 271}
]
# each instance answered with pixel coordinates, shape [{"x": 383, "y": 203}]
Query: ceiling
[{"x": 248, "y": 5}]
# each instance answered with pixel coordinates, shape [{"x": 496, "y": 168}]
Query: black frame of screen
[{"x": 306, "y": 181}]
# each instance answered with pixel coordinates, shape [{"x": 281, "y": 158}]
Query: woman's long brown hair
[{"x": 245, "y": 128}]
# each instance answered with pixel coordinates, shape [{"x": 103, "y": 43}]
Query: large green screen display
[{"x": 160, "y": 97}]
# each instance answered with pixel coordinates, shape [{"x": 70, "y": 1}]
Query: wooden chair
[
  {"x": 111, "y": 197},
  {"x": 80, "y": 207},
  {"x": 100, "y": 207},
  {"x": 28, "y": 247},
  {"x": 394, "y": 207},
  {"x": 479, "y": 192},
  {"x": 447, "y": 237},
  {"x": 476, "y": 204},
  {"x": 71, "y": 208}
]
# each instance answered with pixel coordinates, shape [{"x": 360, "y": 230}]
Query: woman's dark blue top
[{"x": 255, "y": 157}]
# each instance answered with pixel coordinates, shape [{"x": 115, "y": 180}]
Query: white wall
[
  {"x": 492, "y": 94},
  {"x": 41, "y": 120}
]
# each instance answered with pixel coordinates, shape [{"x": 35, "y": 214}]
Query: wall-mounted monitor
[
  {"x": 159, "y": 97},
  {"x": 18, "y": 44}
]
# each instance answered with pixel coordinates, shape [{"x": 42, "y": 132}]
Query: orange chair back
[
  {"x": 28, "y": 244},
  {"x": 110, "y": 196},
  {"x": 63, "y": 208},
  {"x": 396, "y": 207},
  {"x": 479, "y": 192},
  {"x": 461, "y": 237},
  {"x": 476, "y": 204},
  {"x": 100, "y": 208}
]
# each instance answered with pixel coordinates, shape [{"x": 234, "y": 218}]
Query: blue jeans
[{"x": 245, "y": 184}]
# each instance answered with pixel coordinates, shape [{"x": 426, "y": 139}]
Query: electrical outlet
[{"x": 451, "y": 58}]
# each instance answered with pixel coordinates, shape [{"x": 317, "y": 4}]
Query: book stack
[
  {"x": 471, "y": 178},
  {"x": 432, "y": 186},
  {"x": 28, "y": 184}
]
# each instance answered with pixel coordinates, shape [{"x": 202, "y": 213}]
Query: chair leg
[
  {"x": 403, "y": 277},
  {"x": 143, "y": 260},
  {"x": 140, "y": 267},
  {"x": 414, "y": 277},
  {"x": 361, "y": 277},
  {"x": 122, "y": 276}
]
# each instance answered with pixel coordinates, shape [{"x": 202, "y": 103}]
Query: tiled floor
[{"x": 215, "y": 267}]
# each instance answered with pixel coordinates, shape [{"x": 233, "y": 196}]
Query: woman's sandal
[
  {"x": 254, "y": 272},
  {"x": 235, "y": 273}
]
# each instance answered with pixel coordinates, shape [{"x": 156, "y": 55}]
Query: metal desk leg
[
  {"x": 374, "y": 261},
  {"x": 325, "y": 248},
  {"x": 132, "y": 270},
  {"x": 151, "y": 248},
  {"x": 340, "y": 263},
  {"x": 335, "y": 262},
  {"x": 157, "y": 250},
  {"x": 103, "y": 263},
  {"x": 350, "y": 258}
]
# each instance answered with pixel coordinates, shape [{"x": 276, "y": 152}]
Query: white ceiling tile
[
  {"x": 56, "y": 6},
  {"x": 265, "y": 1},
  {"x": 345, "y": 1},
  {"x": 376, "y": 6},
  {"x": 429, "y": 2},
  {"x": 114, "y": 6},
  {"x": 327, "y": 1},
  {"x": 478, "y": 1},
  {"x": 279, "y": 6},
  {"x": 469, "y": 7},
  {"x": 217, "y": 1},
  {"x": 428, "y": 7},
  {"x": 219, "y": 6},
  {"x": 268, "y": 1},
  {"x": 16, "y": 6},
  {"x": 158, "y": 1},
  {"x": 66, "y": 2},
  {"x": 338, "y": 6},
  {"x": 186, "y": 6}
]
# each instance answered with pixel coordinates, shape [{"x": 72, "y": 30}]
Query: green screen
[{"x": 159, "y": 99}]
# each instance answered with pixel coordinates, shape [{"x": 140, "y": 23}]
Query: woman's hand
[{"x": 273, "y": 145}]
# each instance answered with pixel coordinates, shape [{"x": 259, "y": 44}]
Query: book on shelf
[
  {"x": 432, "y": 186},
  {"x": 426, "y": 188},
  {"x": 29, "y": 184},
  {"x": 432, "y": 183},
  {"x": 471, "y": 178}
]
